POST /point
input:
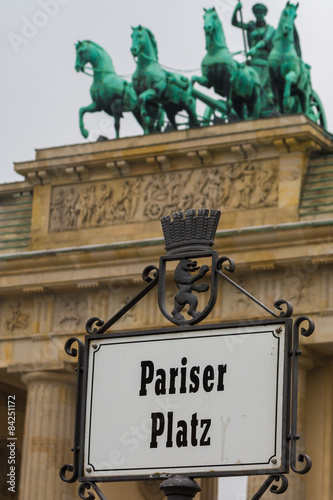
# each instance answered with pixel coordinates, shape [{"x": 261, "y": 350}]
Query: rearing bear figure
[{"x": 185, "y": 282}]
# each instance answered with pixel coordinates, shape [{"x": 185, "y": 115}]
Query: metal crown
[{"x": 194, "y": 231}]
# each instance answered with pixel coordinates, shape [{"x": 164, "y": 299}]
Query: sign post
[{"x": 189, "y": 400}]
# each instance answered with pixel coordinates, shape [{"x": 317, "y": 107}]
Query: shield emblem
[{"x": 192, "y": 262}]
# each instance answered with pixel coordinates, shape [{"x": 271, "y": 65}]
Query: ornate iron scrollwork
[
  {"x": 74, "y": 469},
  {"x": 85, "y": 487},
  {"x": 277, "y": 489},
  {"x": 104, "y": 326},
  {"x": 231, "y": 268},
  {"x": 295, "y": 353}
]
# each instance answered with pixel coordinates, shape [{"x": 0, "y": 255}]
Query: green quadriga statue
[
  {"x": 260, "y": 40},
  {"x": 273, "y": 81}
]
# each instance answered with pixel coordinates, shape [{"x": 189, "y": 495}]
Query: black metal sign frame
[
  {"x": 89, "y": 361},
  {"x": 186, "y": 238}
]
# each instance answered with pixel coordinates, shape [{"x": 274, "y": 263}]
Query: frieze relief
[
  {"x": 18, "y": 319},
  {"x": 238, "y": 186},
  {"x": 71, "y": 312}
]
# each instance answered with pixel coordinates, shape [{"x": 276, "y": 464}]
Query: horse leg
[
  {"x": 291, "y": 79},
  {"x": 117, "y": 113},
  {"x": 228, "y": 85},
  {"x": 190, "y": 106},
  {"x": 144, "y": 98},
  {"x": 87, "y": 109},
  {"x": 202, "y": 80},
  {"x": 137, "y": 115},
  {"x": 238, "y": 105},
  {"x": 117, "y": 124},
  {"x": 275, "y": 90},
  {"x": 159, "y": 119},
  {"x": 172, "y": 119},
  {"x": 256, "y": 106},
  {"x": 304, "y": 97}
]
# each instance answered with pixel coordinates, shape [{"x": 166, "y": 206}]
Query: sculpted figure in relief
[
  {"x": 103, "y": 203},
  {"x": 88, "y": 205},
  {"x": 71, "y": 211},
  {"x": 57, "y": 211},
  {"x": 69, "y": 314},
  {"x": 162, "y": 194},
  {"x": 18, "y": 319}
]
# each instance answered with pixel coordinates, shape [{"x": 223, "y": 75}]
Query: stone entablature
[{"x": 82, "y": 190}]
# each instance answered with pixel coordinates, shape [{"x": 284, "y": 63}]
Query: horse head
[
  {"x": 213, "y": 29},
  {"x": 143, "y": 42},
  {"x": 90, "y": 52},
  {"x": 210, "y": 20},
  {"x": 82, "y": 54},
  {"x": 287, "y": 20}
]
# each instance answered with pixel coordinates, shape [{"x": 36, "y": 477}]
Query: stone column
[
  {"x": 209, "y": 488},
  {"x": 48, "y": 435}
]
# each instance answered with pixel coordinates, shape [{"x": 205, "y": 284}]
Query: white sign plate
[{"x": 196, "y": 402}]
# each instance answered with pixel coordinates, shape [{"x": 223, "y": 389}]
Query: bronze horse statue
[
  {"x": 238, "y": 83},
  {"x": 155, "y": 87},
  {"x": 289, "y": 74},
  {"x": 109, "y": 92}
]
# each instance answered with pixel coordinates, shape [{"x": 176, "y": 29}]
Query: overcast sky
[{"x": 41, "y": 92}]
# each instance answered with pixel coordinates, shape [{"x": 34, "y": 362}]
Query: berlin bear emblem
[
  {"x": 185, "y": 281},
  {"x": 188, "y": 239}
]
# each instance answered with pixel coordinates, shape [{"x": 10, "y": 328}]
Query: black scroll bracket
[
  {"x": 85, "y": 487},
  {"x": 295, "y": 352},
  {"x": 79, "y": 352},
  {"x": 104, "y": 326},
  {"x": 231, "y": 268},
  {"x": 277, "y": 489}
]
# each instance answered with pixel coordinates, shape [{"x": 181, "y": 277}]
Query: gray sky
[{"x": 41, "y": 92}]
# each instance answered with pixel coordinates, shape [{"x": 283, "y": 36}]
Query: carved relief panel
[
  {"x": 17, "y": 318},
  {"x": 237, "y": 186},
  {"x": 71, "y": 312}
]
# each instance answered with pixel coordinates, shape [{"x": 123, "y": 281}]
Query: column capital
[
  {"x": 310, "y": 359},
  {"x": 49, "y": 377},
  {"x": 52, "y": 366}
]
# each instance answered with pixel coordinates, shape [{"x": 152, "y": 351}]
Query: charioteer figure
[{"x": 259, "y": 39}]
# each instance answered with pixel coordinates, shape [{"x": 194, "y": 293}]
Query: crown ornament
[{"x": 192, "y": 232}]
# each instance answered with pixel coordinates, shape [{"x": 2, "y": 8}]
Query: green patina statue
[
  {"x": 238, "y": 83},
  {"x": 259, "y": 33},
  {"x": 156, "y": 87},
  {"x": 289, "y": 75},
  {"x": 260, "y": 43},
  {"x": 109, "y": 92},
  {"x": 272, "y": 81}
]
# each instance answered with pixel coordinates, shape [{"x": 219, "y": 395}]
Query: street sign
[{"x": 199, "y": 401}]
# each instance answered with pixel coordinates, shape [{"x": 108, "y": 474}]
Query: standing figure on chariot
[{"x": 259, "y": 39}]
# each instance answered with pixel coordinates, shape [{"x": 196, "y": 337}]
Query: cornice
[
  {"x": 161, "y": 152},
  {"x": 252, "y": 248}
]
